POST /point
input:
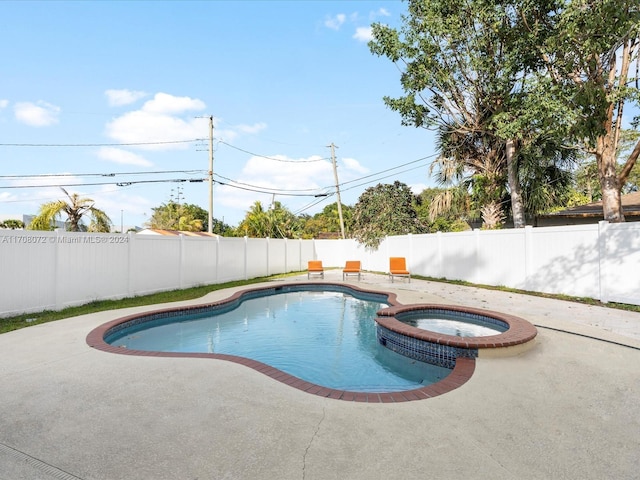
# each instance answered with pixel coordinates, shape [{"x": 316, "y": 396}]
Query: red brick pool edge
[{"x": 520, "y": 332}]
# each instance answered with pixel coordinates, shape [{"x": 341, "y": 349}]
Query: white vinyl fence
[
  {"x": 600, "y": 261},
  {"x": 53, "y": 270}
]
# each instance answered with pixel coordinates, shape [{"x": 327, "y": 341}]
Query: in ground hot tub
[{"x": 441, "y": 333}]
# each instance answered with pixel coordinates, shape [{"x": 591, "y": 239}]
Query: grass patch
[{"x": 28, "y": 319}]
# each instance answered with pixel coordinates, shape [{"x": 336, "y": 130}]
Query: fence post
[
  {"x": 181, "y": 261},
  {"x": 528, "y": 255},
  {"x": 217, "y": 258},
  {"x": 268, "y": 245},
  {"x": 475, "y": 276},
  {"x": 603, "y": 226},
  {"x": 440, "y": 273},
  {"x": 130, "y": 264},
  {"x": 286, "y": 256},
  {"x": 57, "y": 272},
  {"x": 246, "y": 256}
]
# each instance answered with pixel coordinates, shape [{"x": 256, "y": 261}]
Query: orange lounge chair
[
  {"x": 398, "y": 268},
  {"x": 352, "y": 267},
  {"x": 315, "y": 268}
]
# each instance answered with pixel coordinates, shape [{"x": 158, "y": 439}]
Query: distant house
[
  {"x": 591, "y": 213},
  {"x": 174, "y": 233}
]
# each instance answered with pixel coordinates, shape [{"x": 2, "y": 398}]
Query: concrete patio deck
[{"x": 568, "y": 408}]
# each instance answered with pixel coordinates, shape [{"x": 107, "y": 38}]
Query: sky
[{"x": 112, "y": 101}]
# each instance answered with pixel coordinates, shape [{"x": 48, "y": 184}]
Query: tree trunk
[
  {"x": 517, "y": 206},
  {"x": 492, "y": 215},
  {"x": 609, "y": 182}
]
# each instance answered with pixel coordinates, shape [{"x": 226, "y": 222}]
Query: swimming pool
[
  {"x": 324, "y": 337},
  {"x": 408, "y": 363}
]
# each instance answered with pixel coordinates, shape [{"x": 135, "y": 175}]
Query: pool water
[
  {"x": 324, "y": 337},
  {"x": 452, "y": 323}
]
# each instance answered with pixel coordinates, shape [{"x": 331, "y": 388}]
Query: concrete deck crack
[
  {"x": 44, "y": 467},
  {"x": 313, "y": 437}
]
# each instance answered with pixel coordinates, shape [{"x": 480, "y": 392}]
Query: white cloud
[
  {"x": 7, "y": 197},
  {"x": 255, "y": 128},
  {"x": 303, "y": 175},
  {"x": 381, "y": 12},
  {"x": 4, "y": 103},
  {"x": 123, "y": 157},
  {"x": 143, "y": 127},
  {"x": 40, "y": 114},
  {"x": 335, "y": 22},
  {"x": 118, "y": 98},
  {"x": 51, "y": 180},
  {"x": 352, "y": 165},
  {"x": 43, "y": 189},
  {"x": 166, "y": 118},
  {"x": 363, "y": 34},
  {"x": 122, "y": 205},
  {"x": 159, "y": 120},
  {"x": 164, "y": 103}
]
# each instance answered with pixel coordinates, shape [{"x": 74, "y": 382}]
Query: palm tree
[
  {"x": 255, "y": 223},
  {"x": 474, "y": 161},
  {"x": 75, "y": 208},
  {"x": 275, "y": 222},
  {"x": 475, "y": 164}
]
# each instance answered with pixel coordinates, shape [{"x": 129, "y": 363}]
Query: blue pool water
[
  {"x": 453, "y": 323},
  {"x": 324, "y": 337}
]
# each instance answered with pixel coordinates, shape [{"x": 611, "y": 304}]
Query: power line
[
  {"x": 97, "y": 144},
  {"x": 275, "y": 190},
  {"x": 48, "y": 175},
  {"x": 313, "y": 204},
  {"x": 261, "y": 189},
  {"x": 382, "y": 178},
  {"x": 279, "y": 192},
  {"x": 119, "y": 184},
  {"x": 271, "y": 158},
  {"x": 392, "y": 168}
]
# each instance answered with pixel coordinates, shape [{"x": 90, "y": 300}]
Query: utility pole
[
  {"x": 210, "y": 174},
  {"x": 335, "y": 174}
]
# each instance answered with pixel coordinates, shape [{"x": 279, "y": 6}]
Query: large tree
[
  {"x": 75, "y": 208},
  {"x": 466, "y": 71},
  {"x": 385, "y": 210},
  {"x": 469, "y": 70},
  {"x": 593, "y": 59}
]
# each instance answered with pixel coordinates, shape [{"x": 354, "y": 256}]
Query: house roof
[
  {"x": 174, "y": 233},
  {"x": 630, "y": 206}
]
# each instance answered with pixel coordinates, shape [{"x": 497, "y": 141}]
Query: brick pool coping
[{"x": 520, "y": 331}]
